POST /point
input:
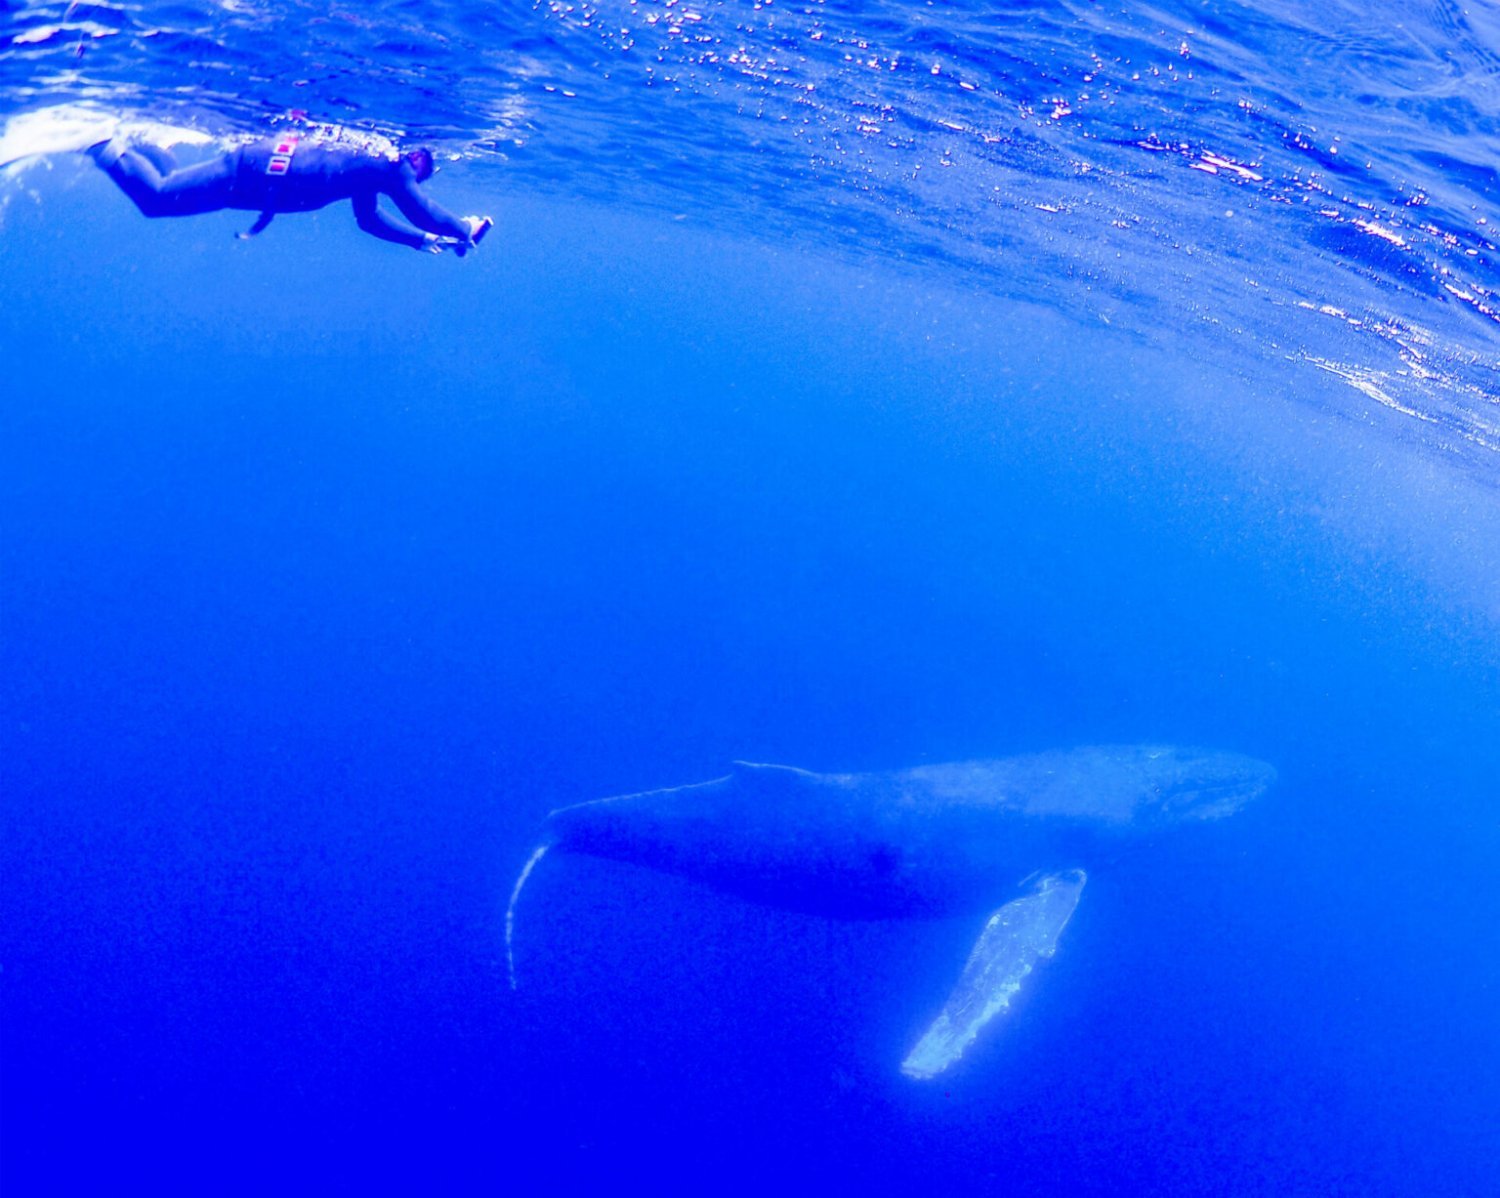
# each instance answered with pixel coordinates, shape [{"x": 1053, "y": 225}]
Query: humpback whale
[{"x": 933, "y": 841}]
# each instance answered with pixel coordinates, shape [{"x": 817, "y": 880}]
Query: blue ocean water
[{"x": 849, "y": 385}]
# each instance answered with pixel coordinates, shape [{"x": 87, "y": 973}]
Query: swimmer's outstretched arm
[
  {"x": 471, "y": 229},
  {"x": 425, "y": 213},
  {"x": 376, "y": 223}
]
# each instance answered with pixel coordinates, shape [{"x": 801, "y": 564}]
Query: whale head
[{"x": 1189, "y": 785}]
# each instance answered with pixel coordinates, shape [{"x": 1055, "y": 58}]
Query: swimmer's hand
[
  {"x": 434, "y": 244},
  {"x": 478, "y": 226}
]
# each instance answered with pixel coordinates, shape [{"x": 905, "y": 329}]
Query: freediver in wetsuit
[{"x": 297, "y": 171}]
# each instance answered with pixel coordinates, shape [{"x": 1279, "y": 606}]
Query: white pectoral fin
[{"x": 1015, "y": 938}]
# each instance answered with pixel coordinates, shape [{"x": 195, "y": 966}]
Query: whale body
[{"x": 928, "y": 842}]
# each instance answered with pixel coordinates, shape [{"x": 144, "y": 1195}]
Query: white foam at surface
[{"x": 70, "y": 128}]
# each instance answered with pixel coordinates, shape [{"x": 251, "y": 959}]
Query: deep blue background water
[{"x": 327, "y": 570}]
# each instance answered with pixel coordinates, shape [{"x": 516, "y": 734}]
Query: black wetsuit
[{"x": 297, "y": 171}]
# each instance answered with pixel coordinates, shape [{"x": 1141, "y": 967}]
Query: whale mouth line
[{"x": 1214, "y": 799}]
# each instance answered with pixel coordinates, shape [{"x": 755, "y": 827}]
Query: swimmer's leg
[
  {"x": 206, "y": 187},
  {"x": 160, "y": 157}
]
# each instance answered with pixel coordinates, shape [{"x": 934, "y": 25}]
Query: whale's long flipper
[{"x": 1017, "y": 936}]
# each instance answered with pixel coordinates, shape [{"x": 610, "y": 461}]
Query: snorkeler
[{"x": 296, "y": 171}]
